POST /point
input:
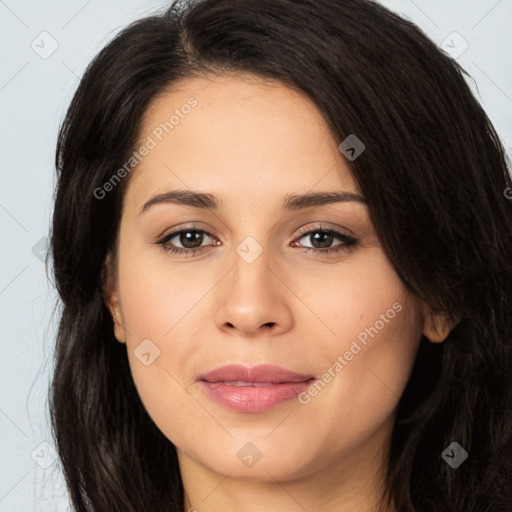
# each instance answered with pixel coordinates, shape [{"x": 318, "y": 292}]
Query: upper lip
[{"x": 259, "y": 373}]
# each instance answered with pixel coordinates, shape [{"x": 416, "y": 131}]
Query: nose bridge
[
  {"x": 253, "y": 262},
  {"x": 250, "y": 249},
  {"x": 253, "y": 238},
  {"x": 251, "y": 266}
]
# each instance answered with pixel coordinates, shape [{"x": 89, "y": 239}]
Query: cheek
[
  {"x": 364, "y": 299},
  {"x": 372, "y": 329},
  {"x": 158, "y": 299},
  {"x": 159, "y": 319}
]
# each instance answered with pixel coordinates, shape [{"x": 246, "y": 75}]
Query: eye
[
  {"x": 191, "y": 240},
  {"x": 321, "y": 239}
]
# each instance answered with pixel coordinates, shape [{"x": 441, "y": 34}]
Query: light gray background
[{"x": 34, "y": 93}]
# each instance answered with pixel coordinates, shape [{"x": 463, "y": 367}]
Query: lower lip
[{"x": 254, "y": 399}]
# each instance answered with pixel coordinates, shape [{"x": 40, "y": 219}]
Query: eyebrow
[{"x": 291, "y": 202}]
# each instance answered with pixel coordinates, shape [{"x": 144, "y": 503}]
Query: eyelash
[{"x": 348, "y": 241}]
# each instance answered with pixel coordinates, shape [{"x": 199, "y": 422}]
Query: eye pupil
[{"x": 324, "y": 238}]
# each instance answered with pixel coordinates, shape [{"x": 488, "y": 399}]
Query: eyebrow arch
[
  {"x": 296, "y": 201},
  {"x": 208, "y": 201}
]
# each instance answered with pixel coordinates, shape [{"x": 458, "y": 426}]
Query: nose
[{"x": 254, "y": 298}]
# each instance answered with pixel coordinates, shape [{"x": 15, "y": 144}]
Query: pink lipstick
[{"x": 256, "y": 389}]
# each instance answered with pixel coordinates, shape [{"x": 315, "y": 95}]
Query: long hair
[{"x": 434, "y": 175}]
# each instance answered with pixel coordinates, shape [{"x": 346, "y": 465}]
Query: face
[{"x": 306, "y": 287}]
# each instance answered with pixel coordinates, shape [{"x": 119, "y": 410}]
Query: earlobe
[
  {"x": 111, "y": 299},
  {"x": 437, "y": 326}
]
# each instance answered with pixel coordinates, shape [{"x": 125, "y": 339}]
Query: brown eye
[
  {"x": 190, "y": 242},
  {"x": 321, "y": 240},
  {"x": 190, "y": 239}
]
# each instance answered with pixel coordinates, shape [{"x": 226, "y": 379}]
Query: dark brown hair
[{"x": 433, "y": 173}]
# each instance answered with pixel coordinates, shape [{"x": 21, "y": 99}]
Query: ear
[
  {"x": 437, "y": 326},
  {"x": 111, "y": 298}
]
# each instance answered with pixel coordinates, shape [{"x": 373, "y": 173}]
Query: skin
[{"x": 250, "y": 143}]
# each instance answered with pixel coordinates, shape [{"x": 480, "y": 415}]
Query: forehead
[{"x": 237, "y": 137}]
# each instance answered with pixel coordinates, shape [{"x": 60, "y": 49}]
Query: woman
[{"x": 282, "y": 245}]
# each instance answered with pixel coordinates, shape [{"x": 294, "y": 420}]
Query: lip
[
  {"x": 259, "y": 373},
  {"x": 257, "y": 389}
]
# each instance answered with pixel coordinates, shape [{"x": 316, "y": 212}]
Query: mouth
[
  {"x": 256, "y": 389},
  {"x": 260, "y": 374},
  {"x": 241, "y": 383}
]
